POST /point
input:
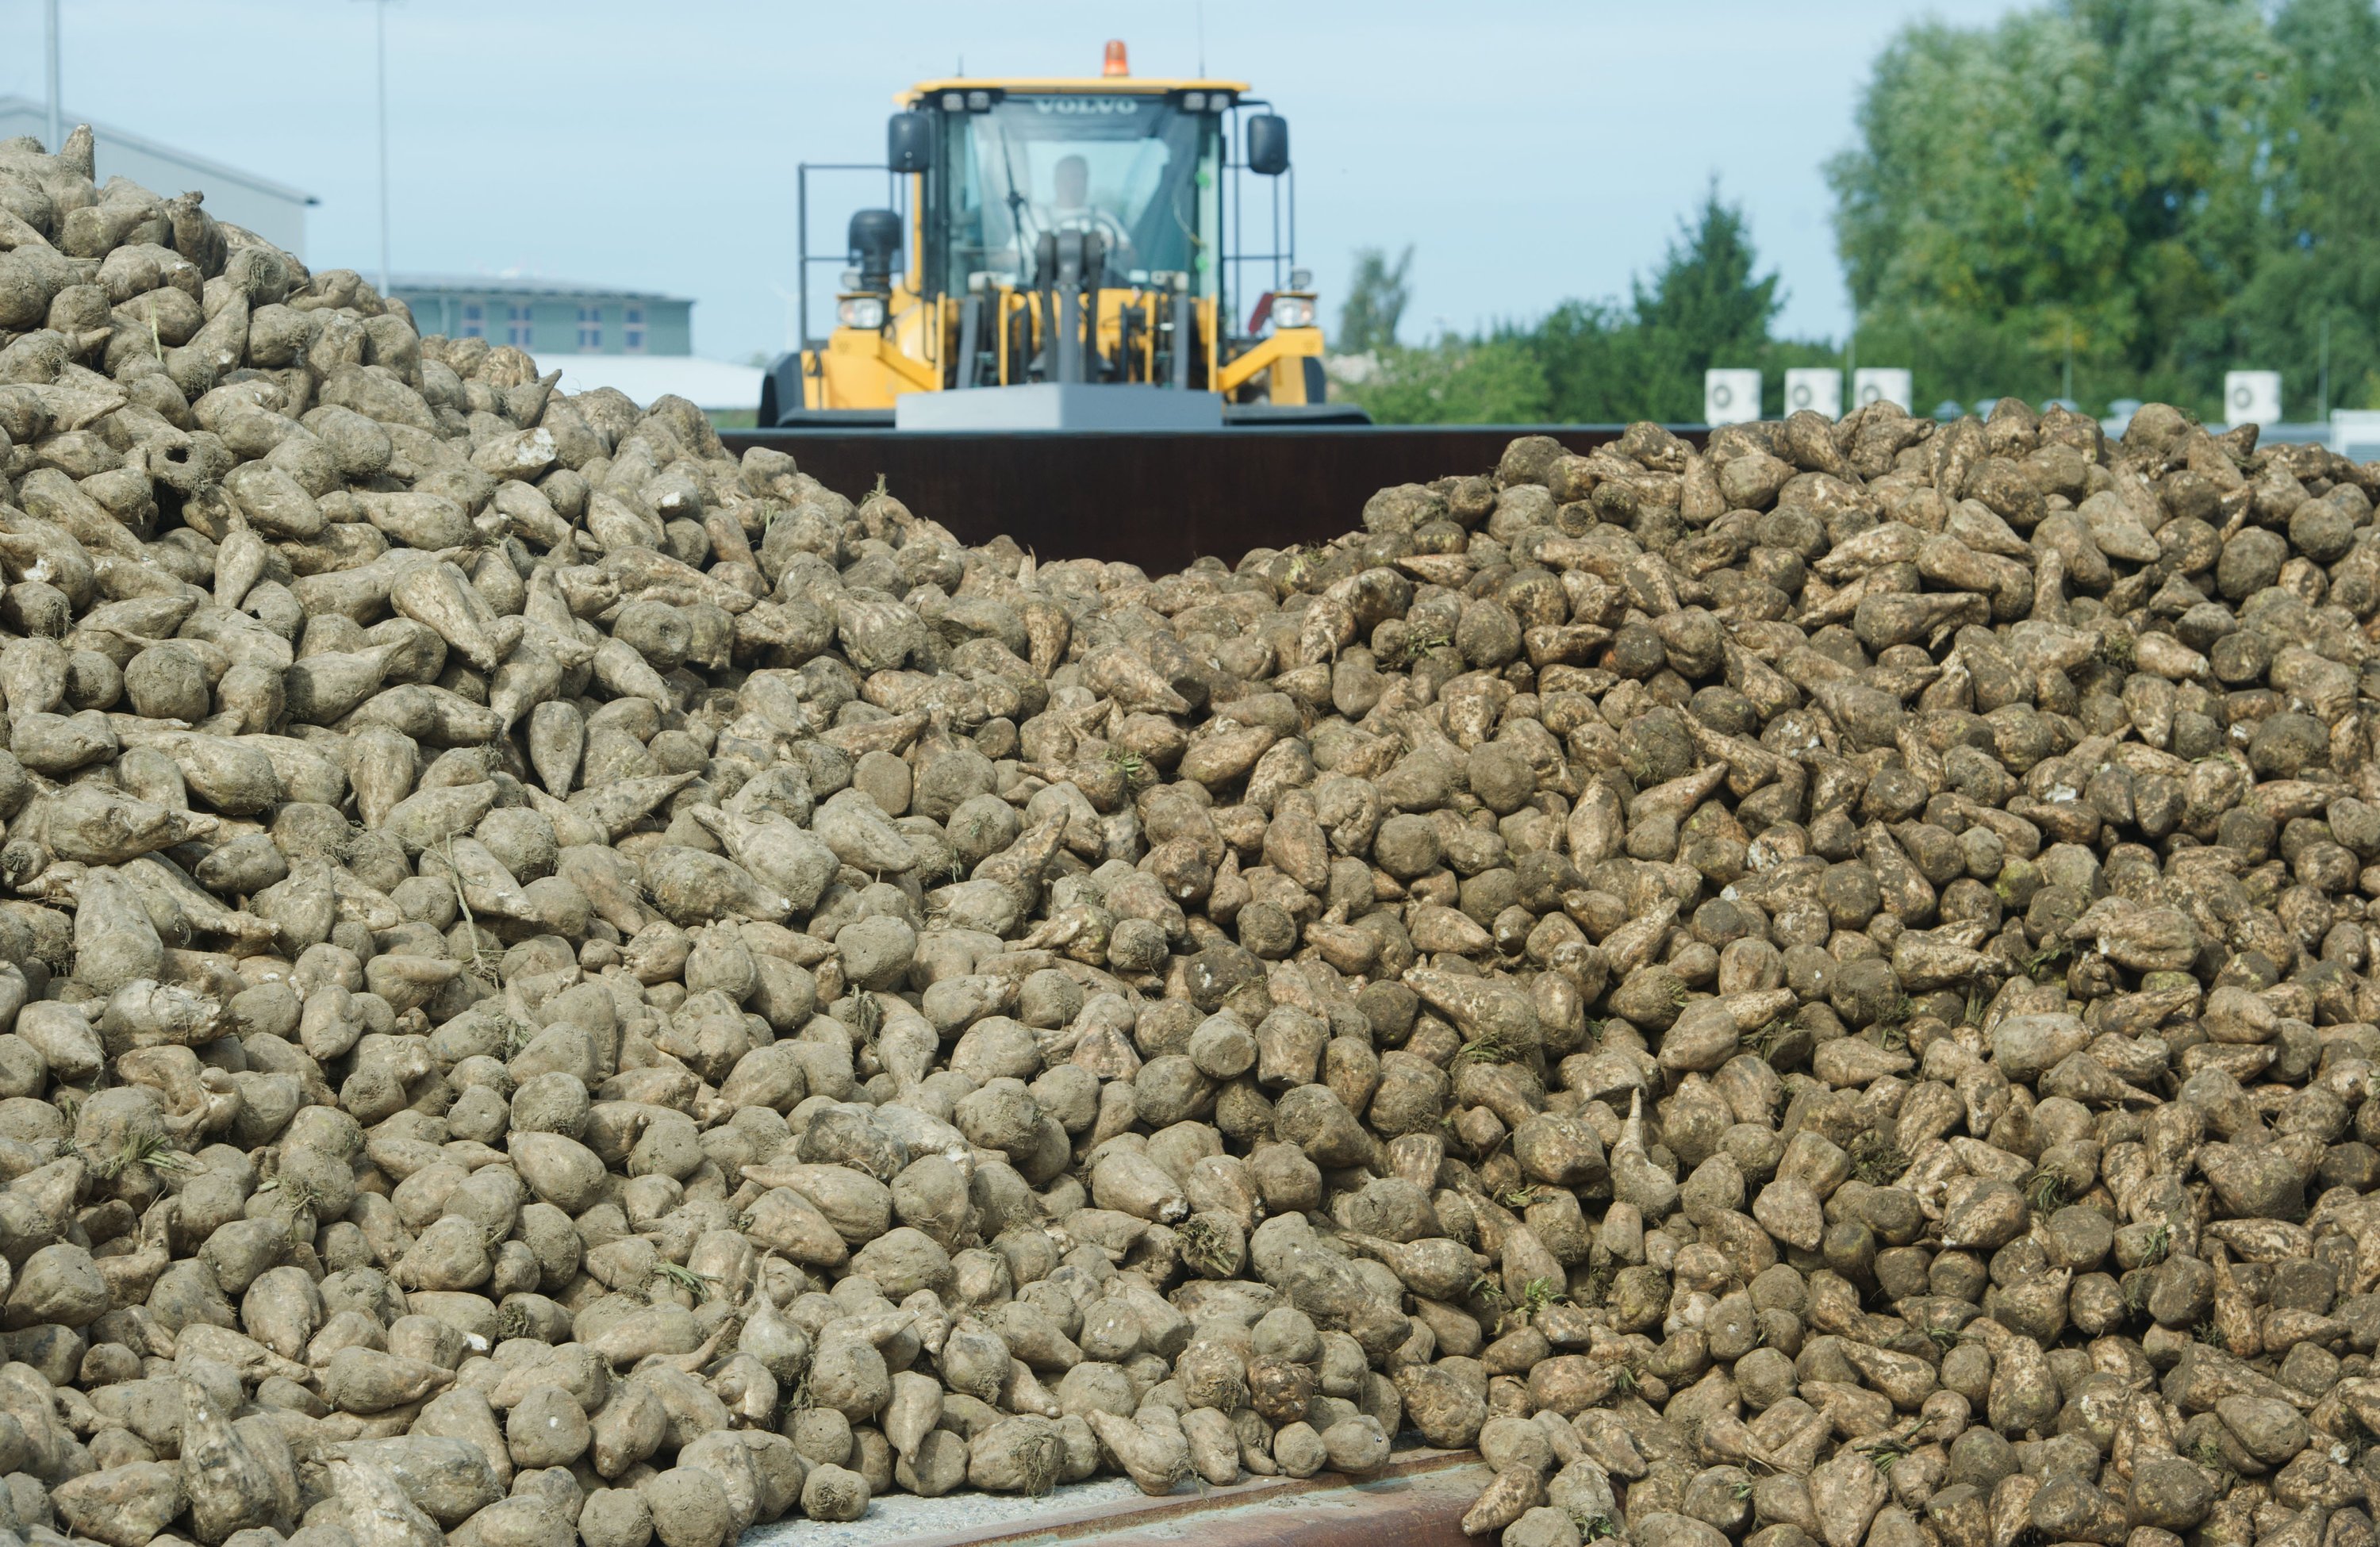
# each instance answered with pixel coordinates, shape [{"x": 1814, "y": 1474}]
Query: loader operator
[{"x": 1071, "y": 210}]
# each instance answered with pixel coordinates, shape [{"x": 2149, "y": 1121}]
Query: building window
[
  {"x": 475, "y": 320},
  {"x": 590, "y": 328},
  {"x": 516, "y": 326},
  {"x": 632, "y": 330}
]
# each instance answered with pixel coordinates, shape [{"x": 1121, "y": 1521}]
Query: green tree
[
  {"x": 2314, "y": 298},
  {"x": 1587, "y": 351},
  {"x": 2101, "y": 178},
  {"x": 1376, "y": 301},
  {"x": 2106, "y": 198},
  {"x": 1706, "y": 307},
  {"x": 1493, "y": 380},
  {"x": 1706, "y": 304},
  {"x": 2331, "y": 46}
]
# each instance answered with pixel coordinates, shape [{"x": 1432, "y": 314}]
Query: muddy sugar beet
[{"x": 557, "y": 984}]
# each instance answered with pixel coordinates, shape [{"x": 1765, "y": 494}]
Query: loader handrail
[
  {"x": 1229, "y": 261},
  {"x": 805, "y": 258}
]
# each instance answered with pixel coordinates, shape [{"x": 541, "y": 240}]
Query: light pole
[
  {"x": 1850, "y": 354},
  {"x": 792, "y": 301},
  {"x": 380, "y": 39},
  {"x": 57, "y": 109},
  {"x": 2324, "y": 410}
]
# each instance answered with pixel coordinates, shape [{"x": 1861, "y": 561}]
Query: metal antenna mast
[
  {"x": 57, "y": 109},
  {"x": 380, "y": 37}
]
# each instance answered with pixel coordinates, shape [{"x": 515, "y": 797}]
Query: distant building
[
  {"x": 274, "y": 210},
  {"x": 549, "y": 316}
]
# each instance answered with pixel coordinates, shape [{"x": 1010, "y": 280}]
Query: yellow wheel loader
[
  {"x": 1066, "y": 254},
  {"x": 1061, "y": 325}
]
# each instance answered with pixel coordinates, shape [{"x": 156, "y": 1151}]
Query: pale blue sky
[{"x": 1531, "y": 151}]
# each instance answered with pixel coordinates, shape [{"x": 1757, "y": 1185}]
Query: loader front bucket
[{"x": 1158, "y": 500}]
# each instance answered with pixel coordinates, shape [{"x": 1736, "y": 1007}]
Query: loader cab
[
  {"x": 1143, "y": 172},
  {"x": 1110, "y": 230}
]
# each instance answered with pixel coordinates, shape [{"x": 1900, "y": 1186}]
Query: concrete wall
[{"x": 276, "y": 212}]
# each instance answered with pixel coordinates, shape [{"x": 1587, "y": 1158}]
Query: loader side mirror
[
  {"x": 909, "y": 141},
  {"x": 1268, "y": 144},
  {"x": 875, "y": 247}
]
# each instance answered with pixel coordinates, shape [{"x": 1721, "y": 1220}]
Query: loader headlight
[
  {"x": 864, "y": 312},
  {"x": 1292, "y": 311}
]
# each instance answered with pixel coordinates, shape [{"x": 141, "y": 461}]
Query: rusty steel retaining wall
[{"x": 1156, "y": 500}]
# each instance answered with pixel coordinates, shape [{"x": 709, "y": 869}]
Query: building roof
[
  {"x": 10, "y": 106},
  {"x": 520, "y": 283},
  {"x": 708, "y": 384}
]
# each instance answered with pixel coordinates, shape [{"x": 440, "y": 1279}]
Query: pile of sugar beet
[{"x": 559, "y": 983}]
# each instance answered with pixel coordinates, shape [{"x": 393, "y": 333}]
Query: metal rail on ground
[{"x": 1418, "y": 1502}]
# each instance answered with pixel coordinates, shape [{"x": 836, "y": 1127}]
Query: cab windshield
[{"x": 1138, "y": 170}]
